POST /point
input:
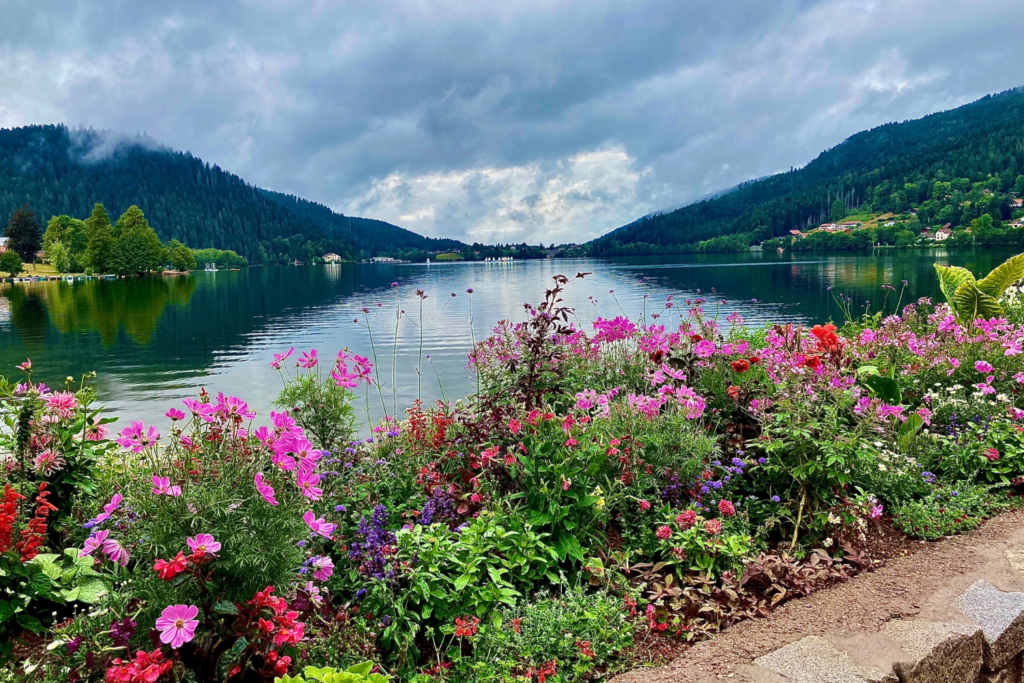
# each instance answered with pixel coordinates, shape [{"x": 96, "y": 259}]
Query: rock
[
  {"x": 815, "y": 660},
  {"x": 1001, "y": 617},
  {"x": 1013, "y": 672},
  {"x": 933, "y": 652},
  {"x": 1015, "y": 556}
]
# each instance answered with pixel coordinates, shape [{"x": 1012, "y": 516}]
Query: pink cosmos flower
[
  {"x": 307, "y": 481},
  {"x": 175, "y": 415},
  {"x": 308, "y": 359},
  {"x": 233, "y": 407},
  {"x": 202, "y": 544},
  {"x": 343, "y": 378},
  {"x": 177, "y": 624},
  {"x": 116, "y": 552},
  {"x": 108, "y": 509},
  {"x": 265, "y": 436},
  {"x": 203, "y": 411},
  {"x": 280, "y": 358},
  {"x": 137, "y": 437},
  {"x": 318, "y": 526},
  {"x": 285, "y": 462},
  {"x": 323, "y": 568},
  {"x": 162, "y": 487},
  {"x": 266, "y": 490},
  {"x": 93, "y": 542},
  {"x": 704, "y": 349},
  {"x": 983, "y": 366}
]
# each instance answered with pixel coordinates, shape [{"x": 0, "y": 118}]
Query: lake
[{"x": 154, "y": 341}]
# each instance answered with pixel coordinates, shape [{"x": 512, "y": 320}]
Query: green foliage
[
  {"x": 10, "y": 263},
  {"x": 73, "y": 578},
  {"x": 137, "y": 248},
  {"x": 223, "y": 259},
  {"x": 70, "y": 232},
  {"x": 582, "y": 631},
  {"x": 838, "y": 210},
  {"x": 359, "y": 673},
  {"x": 972, "y": 299},
  {"x": 100, "y": 235},
  {"x": 60, "y": 257},
  {"x": 180, "y": 257},
  {"x": 320, "y": 406},
  {"x": 696, "y": 549},
  {"x": 951, "y": 509}
]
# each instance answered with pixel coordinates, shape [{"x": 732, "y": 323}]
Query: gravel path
[{"x": 921, "y": 583}]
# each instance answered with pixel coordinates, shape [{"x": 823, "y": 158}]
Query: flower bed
[{"x": 656, "y": 477}]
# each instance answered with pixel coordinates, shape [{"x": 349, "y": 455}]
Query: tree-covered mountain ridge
[
  {"x": 57, "y": 170},
  {"x": 893, "y": 167}
]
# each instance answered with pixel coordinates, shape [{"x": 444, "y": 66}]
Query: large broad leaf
[
  {"x": 885, "y": 388},
  {"x": 972, "y": 303},
  {"x": 951, "y": 277},
  {"x": 996, "y": 282}
]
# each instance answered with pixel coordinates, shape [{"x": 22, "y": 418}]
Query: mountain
[
  {"x": 956, "y": 165},
  {"x": 57, "y": 170},
  {"x": 370, "y": 236}
]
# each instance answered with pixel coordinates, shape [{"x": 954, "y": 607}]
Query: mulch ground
[{"x": 912, "y": 573}]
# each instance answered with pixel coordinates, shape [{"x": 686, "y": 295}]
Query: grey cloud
[{"x": 469, "y": 119}]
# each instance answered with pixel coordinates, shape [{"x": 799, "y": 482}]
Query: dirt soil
[{"x": 917, "y": 582}]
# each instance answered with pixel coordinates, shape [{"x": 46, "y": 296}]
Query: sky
[{"x": 510, "y": 121}]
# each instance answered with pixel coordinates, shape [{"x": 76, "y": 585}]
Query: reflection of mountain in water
[{"x": 159, "y": 325}]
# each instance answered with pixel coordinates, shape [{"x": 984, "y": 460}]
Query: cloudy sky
[{"x": 501, "y": 121}]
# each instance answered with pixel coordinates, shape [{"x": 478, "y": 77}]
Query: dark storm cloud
[{"x": 501, "y": 121}]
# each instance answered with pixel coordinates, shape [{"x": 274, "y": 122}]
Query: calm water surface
[{"x": 155, "y": 341}]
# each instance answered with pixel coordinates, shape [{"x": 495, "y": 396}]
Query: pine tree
[
  {"x": 838, "y": 210},
  {"x": 100, "y": 240},
  {"x": 23, "y": 234}
]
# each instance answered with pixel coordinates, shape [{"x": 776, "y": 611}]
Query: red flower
[
  {"x": 32, "y": 538},
  {"x": 687, "y": 519},
  {"x": 740, "y": 366},
  {"x": 754, "y": 360},
  {"x": 713, "y": 526},
  {"x": 663, "y": 533},
  {"x": 695, "y": 338},
  {"x": 168, "y": 570},
  {"x": 584, "y": 647},
  {"x": 992, "y": 454},
  {"x": 516, "y": 622},
  {"x": 8, "y": 513},
  {"x": 734, "y": 393},
  {"x": 726, "y": 508},
  {"x": 466, "y": 628}
]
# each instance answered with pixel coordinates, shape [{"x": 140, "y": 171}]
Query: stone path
[{"x": 952, "y": 612}]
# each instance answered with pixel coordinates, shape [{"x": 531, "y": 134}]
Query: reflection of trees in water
[{"x": 101, "y": 306}]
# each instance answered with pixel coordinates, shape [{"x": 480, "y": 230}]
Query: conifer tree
[{"x": 100, "y": 239}]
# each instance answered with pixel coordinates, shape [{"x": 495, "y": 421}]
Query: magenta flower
[
  {"x": 323, "y": 568},
  {"x": 177, "y": 624},
  {"x": 26, "y": 366},
  {"x": 108, "y": 509},
  {"x": 93, "y": 542},
  {"x": 308, "y": 359},
  {"x": 137, "y": 437},
  {"x": 162, "y": 487},
  {"x": 280, "y": 358},
  {"x": 116, "y": 552},
  {"x": 307, "y": 481},
  {"x": 318, "y": 526},
  {"x": 175, "y": 415},
  {"x": 203, "y": 411},
  {"x": 266, "y": 490},
  {"x": 232, "y": 407},
  {"x": 983, "y": 366},
  {"x": 63, "y": 404},
  {"x": 202, "y": 544}
]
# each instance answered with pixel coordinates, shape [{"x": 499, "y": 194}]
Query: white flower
[{"x": 881, "y": 467}]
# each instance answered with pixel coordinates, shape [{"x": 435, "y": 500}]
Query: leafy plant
[
  {"x": 972, "y": 299},
  {"x": 359, "y": 673}
]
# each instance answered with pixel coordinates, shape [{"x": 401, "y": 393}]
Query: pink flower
[
  {"x": 318, "y": 526},
  {"x": 63, "y": 404},
  {"x": 175, "y": 415},
  {"x": 644, "y": 505},
  {"x": 26, "y": 366},
  {"x": 308, "y": 359},
  {"x": 280, "y": 358},
  {"x": 663, "y": 533},
  {"x": 514, "y": 426},
  {"x": 566, "y": 484},
  {"x": 323, "y": 568},
  {"x": 93, "y": 542},
  {"x": 177, "y": 624},
  {"x": 307, "y": 481},
  {"x": 704, "y": 348},
  {"x": 983, "y": 366},
  {"x": 94, "y": 431},
  {"x": 686, "y": 519},
  {"x": 116, "y": 552},
  {"x": 233, "y": 407},
  {"x": 108, "y": 509},
  {"x": 726, "y": 508},
  {"x": 266, "y": 490},
  {"x": 137, "y": 437},
  {"x": 713, "y": 526},
  {"x": 162, "y": 486},
  {"x": 202, "y": 544}
]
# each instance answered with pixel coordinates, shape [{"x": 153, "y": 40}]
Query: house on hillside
[
  {"x": 889, "y": 224},
  {"x": 850, "y": 225},
  {"x": 797, "y": 235},
  {"x": 943, "y": 233},
  {"x": 3, "y": 244},
  {"x": 1017, "y": 203},
  {"x": 827, "y": 227},
  {"x": 331, "y": 258}
]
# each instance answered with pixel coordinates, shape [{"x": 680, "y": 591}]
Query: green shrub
[
  {"x": 951, "y": 509},
  {"x": 359, "y": 673}
]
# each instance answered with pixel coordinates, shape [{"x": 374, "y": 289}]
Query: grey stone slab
[
  {"x": 815, "y": 660},
  {"x": 937, "y": 652},
  {"x": 1001, "y": 617}
]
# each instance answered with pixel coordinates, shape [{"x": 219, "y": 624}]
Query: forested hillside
[
  {"x": 953, "y": 167},
  {"x": 58, "y": 171}
]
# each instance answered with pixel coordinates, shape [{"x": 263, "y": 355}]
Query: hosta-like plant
[
  {"x": 360, "y": 673},
  {"x": 972, "y": 299}
]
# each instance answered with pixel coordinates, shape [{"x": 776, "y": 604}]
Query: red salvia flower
[{"x": 32, "y": 538}]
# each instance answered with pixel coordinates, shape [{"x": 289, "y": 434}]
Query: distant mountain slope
[
  {"x": 368, "y": 234},
  {"x": 56, "y": 170},
  {"x": 978, "y": 141}
]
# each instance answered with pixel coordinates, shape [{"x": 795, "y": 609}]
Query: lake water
[{"x": 157, "y": 340}]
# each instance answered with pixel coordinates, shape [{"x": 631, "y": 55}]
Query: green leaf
[
  {"x": 225, "y": 607},
  {"x": 996, "y": 282},
  {"x": 950, "y": 278},
  {"x": 885, "y": 388},
  {"x": 7, "y": 610},
  {"x": 229, "y": 657},
  {"x": 972, "y": 303},
  {"x": 362, "y": 669},
  {"x": 463, "y": 581}
]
